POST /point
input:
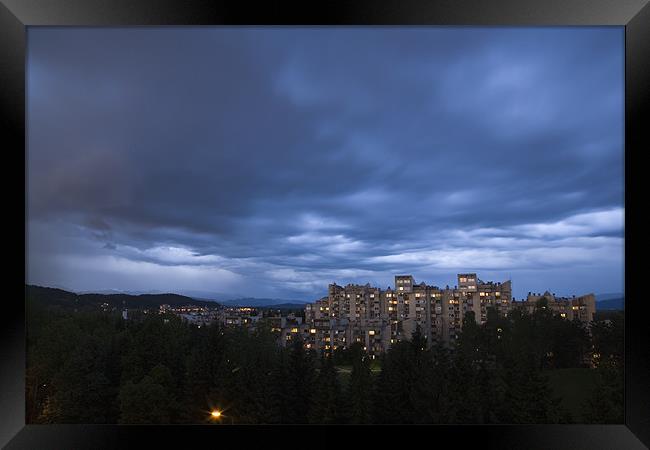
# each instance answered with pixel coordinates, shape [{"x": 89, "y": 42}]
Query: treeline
[{"x": 97, "y": 368}]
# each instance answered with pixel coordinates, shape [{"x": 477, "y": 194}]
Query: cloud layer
[{"x": 274, "y": 161}]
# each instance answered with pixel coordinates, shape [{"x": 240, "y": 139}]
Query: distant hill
[
  {"x": 611, "y": 304},
  {"x": 284, "y": 306},
  {"x": 58, "y": 297},
  {"x": 264, "y": 302},
  {"x": 610, "y": 301}
]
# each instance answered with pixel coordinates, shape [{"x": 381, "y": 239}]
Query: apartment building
[
  {"x": 378, "y": 318},
  {"x": 581, "y": 308}
]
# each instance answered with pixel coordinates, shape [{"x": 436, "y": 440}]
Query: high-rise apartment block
[{"x": 378, "y": 318}]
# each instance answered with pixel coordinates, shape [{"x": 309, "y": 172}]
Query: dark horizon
[
  {"x": 273, "y": 162},
  {"x": 229, "y": 297}
]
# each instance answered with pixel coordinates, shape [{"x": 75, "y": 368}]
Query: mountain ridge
[
  {"x": 64, "y": 297},
  {"x": 61, "y": 298}
]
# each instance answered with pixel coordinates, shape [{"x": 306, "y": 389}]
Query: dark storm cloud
[{"x": 282, "y": 159}]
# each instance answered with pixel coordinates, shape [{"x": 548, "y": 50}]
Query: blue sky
[{"x": 273, "y": 161}]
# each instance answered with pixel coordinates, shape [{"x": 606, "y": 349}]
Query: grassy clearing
[{"x": 345, "y": 372}]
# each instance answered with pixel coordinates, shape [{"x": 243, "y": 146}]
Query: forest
[{"x": 91, "y": 366}]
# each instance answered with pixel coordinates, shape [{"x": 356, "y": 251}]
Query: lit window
[
  {"x": 371, "y": 332},
  {"x": 313, "y": 331},
  {"x": 401, "y": 288},
  {"x": 294, "y": 330}
]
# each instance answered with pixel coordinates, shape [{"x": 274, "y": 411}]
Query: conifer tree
[
  {"x": 327, "y": 402},
  {"x": 301, "y": 382},
  {"x": 360, "y": 388},
  {"x": 280, "y": 396}
]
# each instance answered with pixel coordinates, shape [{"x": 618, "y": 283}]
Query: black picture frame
[{"x": 634, "y": 15}]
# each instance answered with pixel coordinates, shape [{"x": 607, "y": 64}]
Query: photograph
[{"x": 271, "y": 225}]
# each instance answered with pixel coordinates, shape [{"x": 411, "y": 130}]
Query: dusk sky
[{"x": 270, "y": 162}]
